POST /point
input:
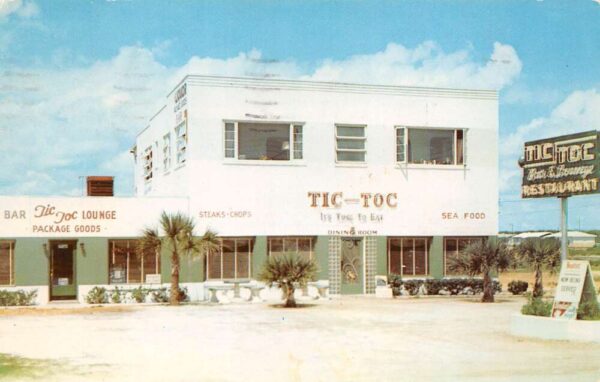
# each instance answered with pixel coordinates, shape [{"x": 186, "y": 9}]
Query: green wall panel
[
  {"x": 191, "y": 266},
  {"x": 322, "y": 257},
  {"x": 92, "y": 261},
  {"x": 436, "y": 257},
  {"x": 31, "y": 263},
  {"x": 382, "y": 259},
  {"x": 259, "y": 255}
]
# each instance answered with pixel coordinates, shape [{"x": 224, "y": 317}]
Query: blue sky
[{"x": 78, "y": 79}]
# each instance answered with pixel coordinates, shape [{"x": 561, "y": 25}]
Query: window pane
[
  {"x": 305, "y": 248},
  {"x": 290, "y": 245},
  {"x": 431, "y": 146},
  {"x": 263, "y": 141},
  {"x": 243, "y": 258},
  {"x": 420, "y": 257},
  {"x": 135, "y": 265},
  {"x": 394, "y": 248},
  {"x": 276, "y": 246},
  {"x": 229, "y": 140},
  {"x": 351, "y": 144},
  {"x": 298, "y": 154},
  {"x": 348, "y": 156},
  {"x": 214, "y": 265},
  {"x": 407, "y": 257},
  {"x": 350, "y": 131},
  {"x": 400, "y": 157},
  {"x": 117, "y": 261},
  {"x": 459, "y": 147},
  {"x": 228, "y": 259},
  {"x": 5, "y": 263},
  {"x": 151, "y": 265}
]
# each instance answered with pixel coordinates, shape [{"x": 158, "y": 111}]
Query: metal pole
[{"x": 563, "y": 229}]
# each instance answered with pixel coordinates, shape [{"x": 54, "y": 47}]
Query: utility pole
[{"x": 563, "y": 229}]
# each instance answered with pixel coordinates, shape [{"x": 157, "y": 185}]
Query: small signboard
[
  {"x": 562, "y": 166},
  {"x": 153, "y": 278},
  {"x": 575, "y": 285},
  {"x": 63, "y": 281}
]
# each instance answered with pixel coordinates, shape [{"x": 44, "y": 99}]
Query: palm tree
[
  {"x": 288, "y": 270},
  {"x": 539, "y": 254},
  {"x": 481, "y": 258},
  {"x": 178, "y": 237}
]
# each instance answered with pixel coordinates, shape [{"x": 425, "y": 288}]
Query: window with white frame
[
  {"x": 167, "y": 152},
  {"x": 127, "y": 265},
  {"x": 147, "y": 163},
  {"x": 301, "y": 245},
  {"x": 231, "y": 261},
  {"x": 430, "y": 146},
  {"x": 408, "y": 256},
  {"x": 263, "y": 141},
  {"x": 453, "y": 246},
  {"x": 350, "y": 143},
  {"x": 7, "y": 262},
  {"x": 181, "y": 142}
]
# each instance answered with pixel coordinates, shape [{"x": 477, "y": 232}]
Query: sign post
[{"x": 562, "y": 167}]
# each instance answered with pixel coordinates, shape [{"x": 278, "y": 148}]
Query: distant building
[{"x": 578, "y": 239}]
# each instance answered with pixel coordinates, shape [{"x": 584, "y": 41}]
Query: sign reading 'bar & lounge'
[{"x": 562, "y": 166}]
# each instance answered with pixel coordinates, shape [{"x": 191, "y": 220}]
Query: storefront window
[
  {"x": 452, "y": 248},
  {"x": 303, "y": 246},
  {"x": 7, "y": 261},
  {"x": 263, "y": 141},
  {"x": 430, "y": 146},
  {"x": 231, "y": 261},
  {"x": 126, "y": 265},
  {"x": 408, "y": 256}
]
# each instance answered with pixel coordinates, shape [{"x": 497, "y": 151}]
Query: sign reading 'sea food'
[
  {"x": 562, "y": 166},
  {"x": 575, "y": 286}
]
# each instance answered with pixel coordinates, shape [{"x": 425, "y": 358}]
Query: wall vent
[{"x": 100, "y": 186}]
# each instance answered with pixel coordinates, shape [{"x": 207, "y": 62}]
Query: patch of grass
[{"x": 12, "y": 367}]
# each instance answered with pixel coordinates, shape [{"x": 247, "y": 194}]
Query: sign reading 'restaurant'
[{"x": 562, "y": 166}]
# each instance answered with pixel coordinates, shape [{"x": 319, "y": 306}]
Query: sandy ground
[{"x": 350, "y": 339}]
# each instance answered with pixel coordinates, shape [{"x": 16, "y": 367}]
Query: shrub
[
  {"x": 139, "y": 294},
  {"x": 160, "y": 295},
  {"x": 537, "y": 307},
  {"x": 115, "y": 296},
  {"x": 589, "y": 310},
  {"x": 517, "y": 287},
  {"x": 97, "y": 295},
  {"x": 17, "y": 298},
  {"x": 451, "y": 286}
]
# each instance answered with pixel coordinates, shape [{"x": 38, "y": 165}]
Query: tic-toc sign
[
  {"x": 364, "y": 199},
  {"x": 562, "y": 166}
]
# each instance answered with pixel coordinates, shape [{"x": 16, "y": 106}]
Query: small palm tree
[
  {"x": 481, "y": 258},
  {"x": 288, "y": 270},
  {"x": 539, "y": 254},
  {"x": 176, "y": 234}
]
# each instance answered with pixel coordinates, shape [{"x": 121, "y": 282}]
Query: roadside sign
[{"x": 575, "y": 285}]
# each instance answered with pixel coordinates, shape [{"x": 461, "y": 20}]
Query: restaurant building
[{"x": 367, "y": 180}]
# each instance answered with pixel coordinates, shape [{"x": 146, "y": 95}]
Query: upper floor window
[
  {"x": 167, "y": 152},
  {"x": 430, "y": 146},
  {"x": 7, "y": 262},
  {"x": 350, "y": 143},
  {"x": 147, "y": 163},
  {"x": 263, "y": 141},
  {"x": 181, "y": 143}
]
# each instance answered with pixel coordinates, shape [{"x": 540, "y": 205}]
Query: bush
[
  {"x": 451, "y": 286},
  {"x": 17, "y": 298},
  {"x": 97, "y": 295},
  {"x": 537, "y": 307},
  {"x": 139, "y": 294},
  {"x": 160, "y": 295},
  {"x": 517, "y": 287},
  {"x": 115, "y": 296},
  {"x": 589, "y": 310}
]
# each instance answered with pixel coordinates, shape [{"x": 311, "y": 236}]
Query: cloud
[
  {"x": 69, "y": 121},
  {"x": 579, "y": 111},
  {"x": 23, "y": 9},
  {"x": 425, "y": 65}
]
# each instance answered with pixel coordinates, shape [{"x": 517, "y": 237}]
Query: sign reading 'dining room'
[{"x": 562, "y": 166}]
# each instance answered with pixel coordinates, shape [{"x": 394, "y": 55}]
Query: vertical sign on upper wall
[{"x": 562, "y": 166}]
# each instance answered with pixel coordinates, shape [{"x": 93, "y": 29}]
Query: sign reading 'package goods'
[{"x": 562, "y": 166}]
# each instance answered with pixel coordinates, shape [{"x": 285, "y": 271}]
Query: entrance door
[
  {"x": 352, "y": 266},
  {"x": 62, "y": 270}
]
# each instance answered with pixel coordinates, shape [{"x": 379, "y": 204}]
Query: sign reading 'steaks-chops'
[{"x": 562, "y": 166}]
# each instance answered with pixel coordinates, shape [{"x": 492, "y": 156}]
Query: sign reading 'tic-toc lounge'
[{"x": 562, "y": 166}]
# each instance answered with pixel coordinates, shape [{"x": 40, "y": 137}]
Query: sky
[{"x": 79, "y": 79}]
